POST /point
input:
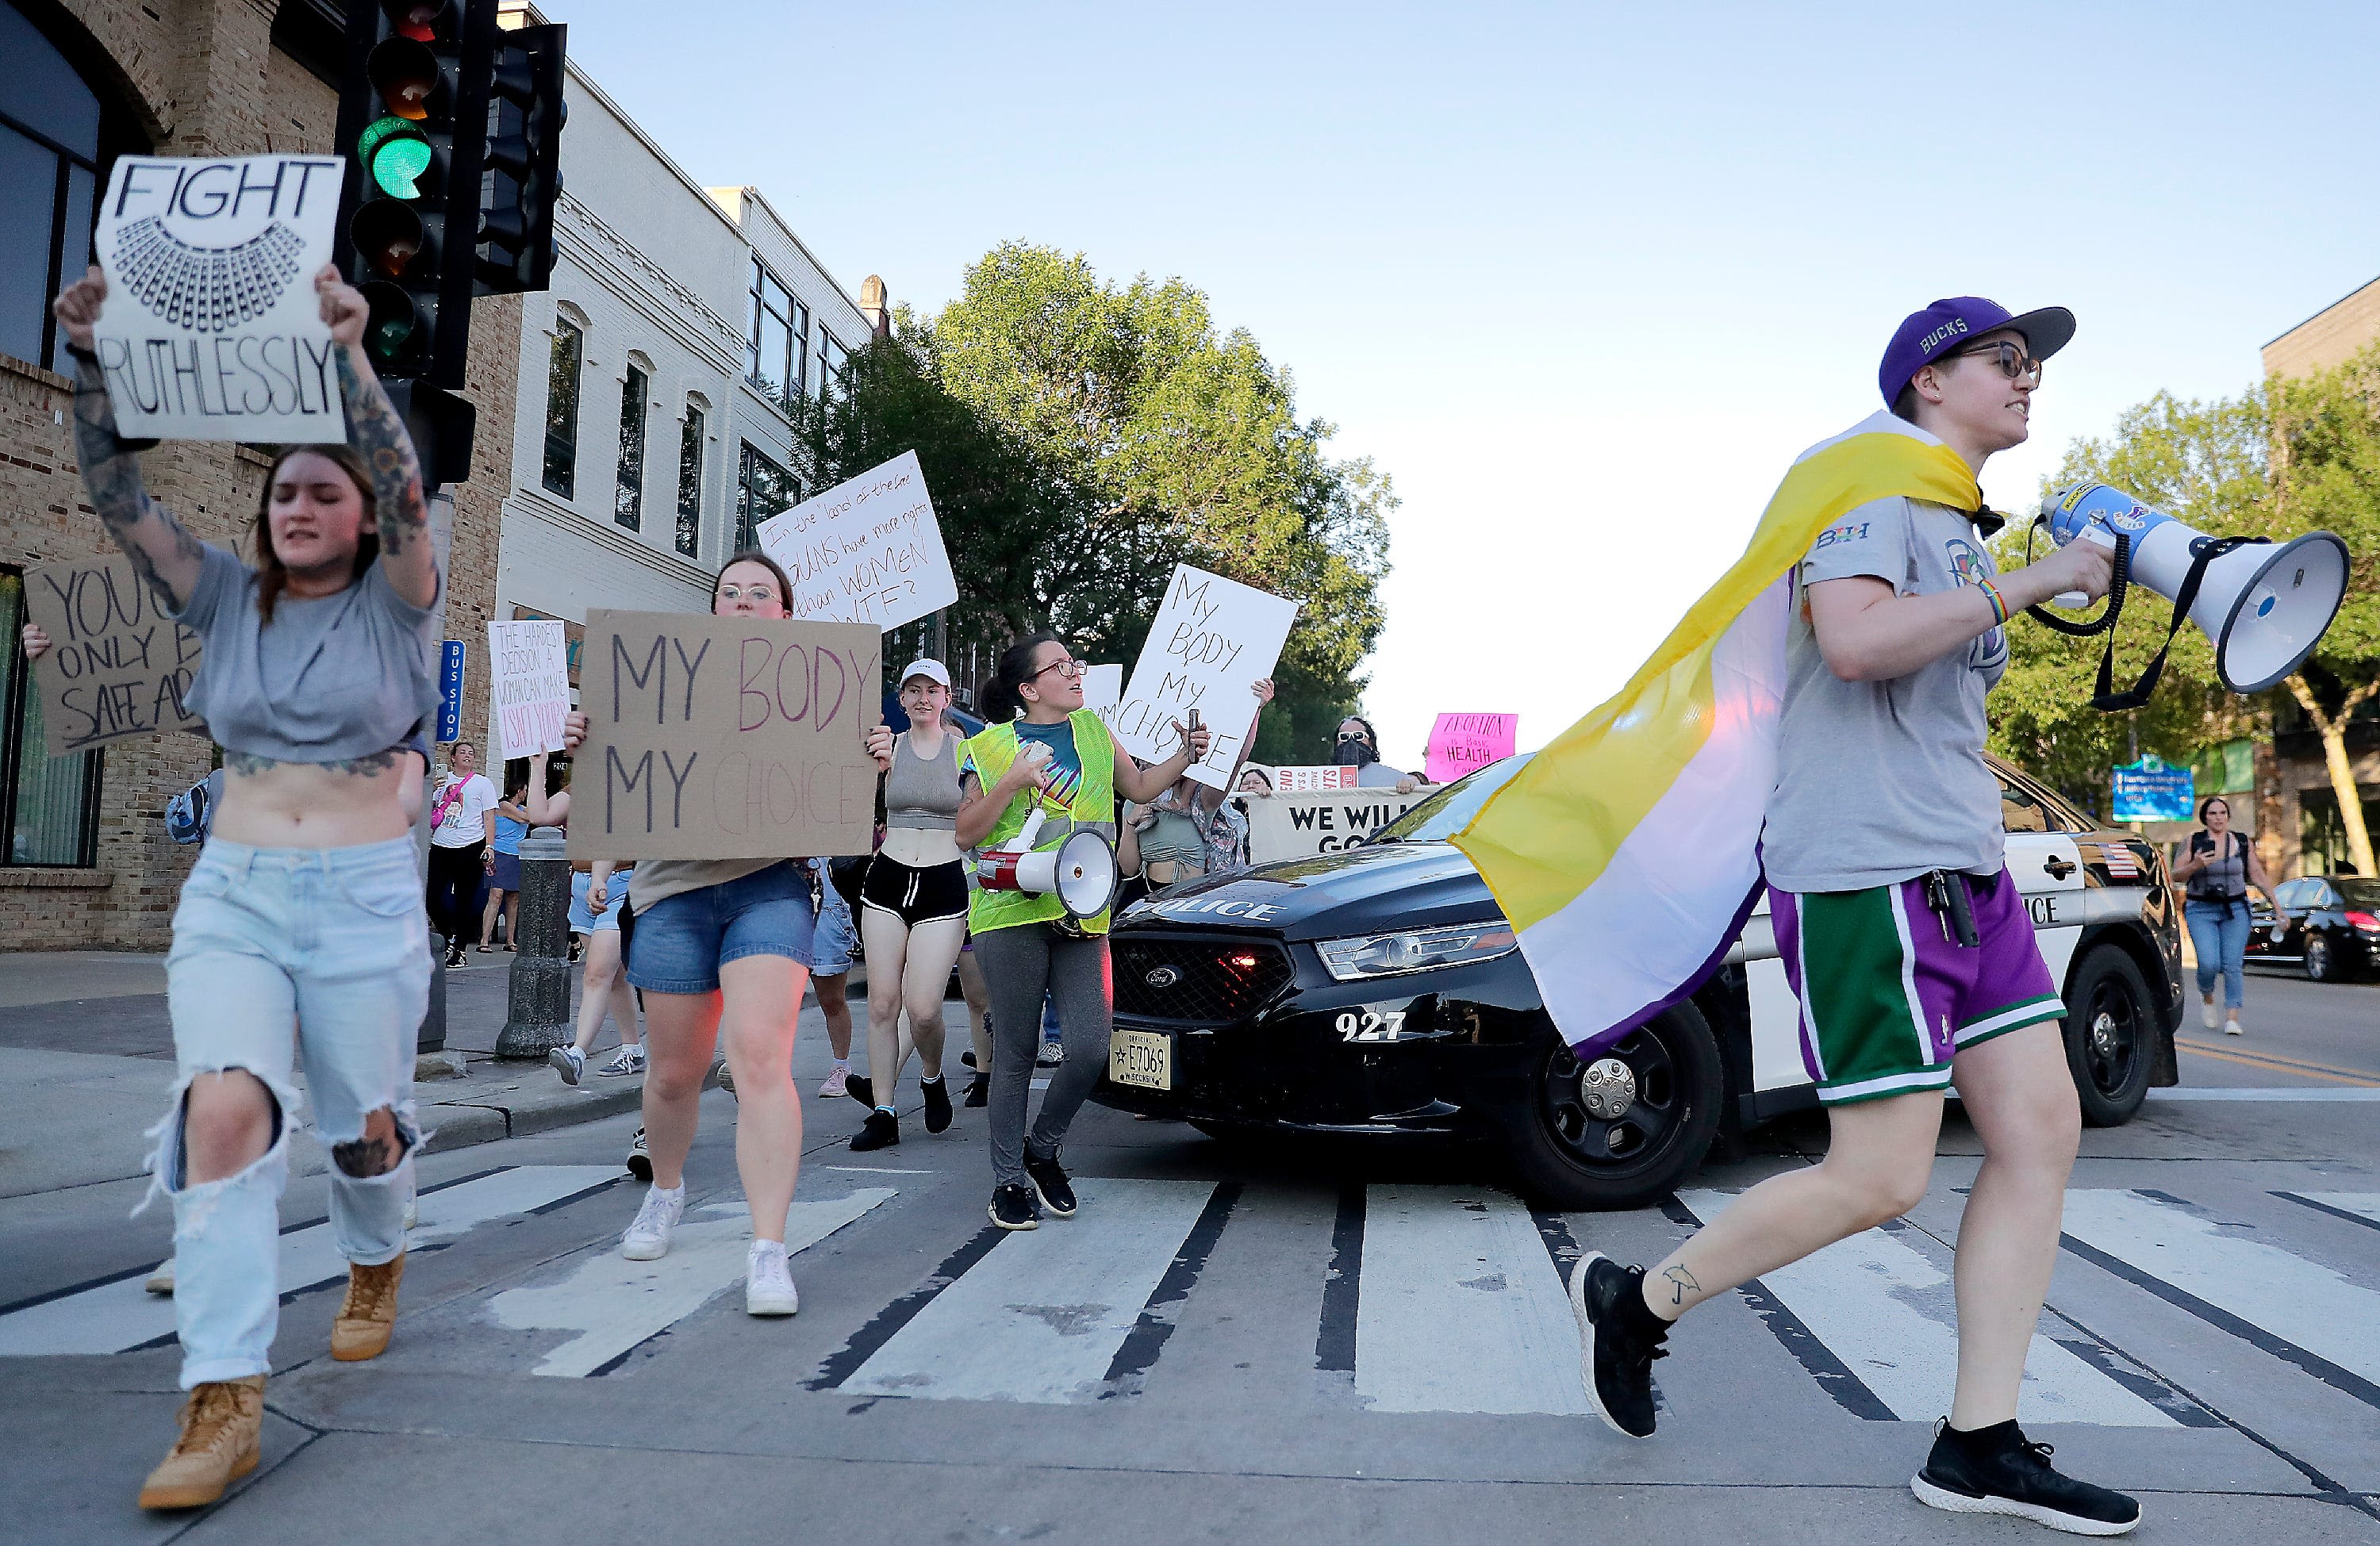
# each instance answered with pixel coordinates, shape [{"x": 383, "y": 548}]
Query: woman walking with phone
[{"x": 2216, "y": 873}]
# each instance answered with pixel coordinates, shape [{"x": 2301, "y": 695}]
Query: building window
[
  {"x": 762, "y": 489},
  {"x": 562, "y": 409},
  {"x": 49, "y": 806},
  {"x": 629, "y": 499},
  {"x": 779, "y": 346},
  {"x": 56, "y": 138},
  {"x": 689, "y": 483},
  {"x": 833, "y": 360}
]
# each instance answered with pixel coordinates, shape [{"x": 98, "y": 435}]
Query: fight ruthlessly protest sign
[
  {"x": 725, "y": 738},
  {"x": 1461, "y": 743},
  {"x": 212, "y": 330},
  {"x": 118, "y": 665},
  {"x": 528, "y": 686},
  {"x": 1307, "y": 778},
  {"x": 1213, "y": 638},
  {"x": 1300, "y": 825},
  {"x": 867, "y": 551}
]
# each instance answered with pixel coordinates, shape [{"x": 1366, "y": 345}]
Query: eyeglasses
[
  {"x": 1064, "y": 667},
  {"x": 2014, "y": 363},
  {"x": 763, "y": 591}
]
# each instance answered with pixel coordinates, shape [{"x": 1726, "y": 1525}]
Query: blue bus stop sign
[
  {"x": 450, "y": 691},
  {"x": 2154, "y": 790}
]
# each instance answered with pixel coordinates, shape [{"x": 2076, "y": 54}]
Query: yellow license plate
[{"x": 1141, "y": 1057}]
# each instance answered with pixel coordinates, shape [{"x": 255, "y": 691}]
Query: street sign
[
  {"x": 2154, "y": 790},
  {"x": 450, "y": 691}
]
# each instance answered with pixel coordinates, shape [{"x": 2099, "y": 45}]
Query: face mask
[{"x": 1352, "y": 753}]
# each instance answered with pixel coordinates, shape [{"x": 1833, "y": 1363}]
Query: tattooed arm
[
  {"x": 165, "y": 554},
  {"x": 377, "y": 430}
]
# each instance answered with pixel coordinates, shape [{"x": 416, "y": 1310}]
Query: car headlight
[{"x": 1387, "y": 955}]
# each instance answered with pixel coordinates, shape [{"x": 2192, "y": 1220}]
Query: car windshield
[
  {"x": 2359, "y": 893},
  {"x": 1450, "y": 809}
]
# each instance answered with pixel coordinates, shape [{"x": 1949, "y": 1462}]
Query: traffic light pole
[{"x": 431, "y": 1036}]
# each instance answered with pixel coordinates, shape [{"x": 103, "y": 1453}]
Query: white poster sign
[
  {"x": 1103, "y": 690},
  {"x": 1306, "y": 780},
  {"x": 1300, "y": 825},
  {"x": 1212, "y": 640},
  {"x": 868, "y": 550},
  {"x": 212, "y": 330},
  {"x": 529, "y": 687}
]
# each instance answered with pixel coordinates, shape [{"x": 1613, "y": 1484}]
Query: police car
[{"x": 1377, "y": 992}]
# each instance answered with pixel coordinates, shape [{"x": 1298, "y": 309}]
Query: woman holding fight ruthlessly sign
[{"x": 305, "y": 905}]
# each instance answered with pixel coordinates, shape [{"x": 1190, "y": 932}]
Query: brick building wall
[{"x": 2327, "y": 338}]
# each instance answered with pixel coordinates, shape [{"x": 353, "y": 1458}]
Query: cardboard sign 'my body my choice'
[
  {"x": 118, "y": 665},
  {"x": 1300, "y": 825},
  {"x": 725, "y": 738},
  {"x": 868, "y": 550},
  {"x": 1461, "y": 743},
  {"x": 212, "y": 330},
  {"x": 529, "y": 686},
  {"x": 1213, "y": 638}
]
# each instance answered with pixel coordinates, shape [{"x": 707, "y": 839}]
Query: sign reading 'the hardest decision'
[
  {"x": 725, "y": 738},
  {"x": 212, "y": 330},
  {"x": 1212, "y": 640},
  {"x": 530, "y": 682},
  {"x": 116, "y": 665},
  {"x": 867, "y": 551}
]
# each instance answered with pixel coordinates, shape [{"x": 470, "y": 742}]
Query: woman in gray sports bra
[{"x": 913, "y": 905}]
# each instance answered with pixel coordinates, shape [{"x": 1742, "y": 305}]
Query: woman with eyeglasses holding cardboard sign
[{"x": 1044, "y": 751}]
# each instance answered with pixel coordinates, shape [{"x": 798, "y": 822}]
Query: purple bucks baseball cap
[{"x": 1948, "y": 325}]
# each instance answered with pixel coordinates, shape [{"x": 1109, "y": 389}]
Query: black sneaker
[
  {"x": 859, "y": 1088},
  {"x": 978, "y": 1091},
  {"x": 1013, "y": 1208},
  {"x": 883, "y": 1131},
  {"x": 938, "y": 1104},
  {"x": 641, "y": 1161},
  {"x": 1998, "y": 1470},
  {"x": 1618, "y": 1339},
  {"x": 1050, "y": 1183},
  {"x": 967, "y": 1059}
]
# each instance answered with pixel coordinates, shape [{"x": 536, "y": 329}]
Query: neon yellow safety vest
[{"x": 993, "y": 752}]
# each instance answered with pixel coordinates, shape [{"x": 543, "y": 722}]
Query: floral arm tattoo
[
  {"x": 164, "y": 553},
  {"x": 375, "y": 428}
]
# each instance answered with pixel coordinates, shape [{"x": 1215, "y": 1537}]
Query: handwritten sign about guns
[
  {"x": 867, "y": 551},
  {"x": 725, "y": 738},
  {"x": 118, "y": 665},
  {"x": 212, "y": 330},
  {"x": 530, "y": 682},
  {"x": 1301, "y": 826},
  {"x": 1461, "y": 743},
  {"x": 1212, "y": 639}
]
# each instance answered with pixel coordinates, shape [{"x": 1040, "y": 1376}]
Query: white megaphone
[
  {"x": 1081, "y": 871},
  {"x": 2263, "y": 607}
]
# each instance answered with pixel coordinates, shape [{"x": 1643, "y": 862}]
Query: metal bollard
[{"x": 537, "y": 1018}]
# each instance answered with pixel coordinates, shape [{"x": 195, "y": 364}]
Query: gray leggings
[{"x": 1018, "y": 964}]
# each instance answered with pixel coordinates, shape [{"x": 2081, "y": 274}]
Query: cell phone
[{"x": 1195, "y": 721}]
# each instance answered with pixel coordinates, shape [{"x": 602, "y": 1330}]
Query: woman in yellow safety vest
[{"x": 1043, "y": 750}]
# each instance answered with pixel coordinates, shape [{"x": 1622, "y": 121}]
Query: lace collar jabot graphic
[{"x": 206, "y": 289}]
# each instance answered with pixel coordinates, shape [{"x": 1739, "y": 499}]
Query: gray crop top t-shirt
[
  {"x": 332, "y": 678},
  {"x": 920, "y": 792}
]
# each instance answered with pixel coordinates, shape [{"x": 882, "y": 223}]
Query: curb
[{"x": 463, "y": 1118}]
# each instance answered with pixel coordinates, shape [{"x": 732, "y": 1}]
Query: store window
[
  {"x": 628, "y": 497},
  {"x": 562, "y": 408},
  {"x": 778, "y": 346},
  {"x": 690, "y": 440},
  {"x": 762, "y": 489},
  {"x": 49, "y": 806},
  {"x": 57, "y": 137}
]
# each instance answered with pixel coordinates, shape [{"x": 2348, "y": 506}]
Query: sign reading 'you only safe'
[
  {"x": 212, "y": 330},
  {"x": 116, "y": 665},
  {"x": 725, "y": 738}
]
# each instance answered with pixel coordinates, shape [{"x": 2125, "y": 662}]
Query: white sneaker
[
  {"x": 648, "y": 1239},
  {"x": 723, "y": 1076},
  {"x": 769, "y": 1281},
  {"x": 161, "y": 1280},
  {"x": 1051, "y": 1056},
  {"x": 569, "y": 1062},
  {"x": 2231, "y": 1028},
  {"x": 2206, "y": 1012},
  {"x": 629, "y": 1059}
]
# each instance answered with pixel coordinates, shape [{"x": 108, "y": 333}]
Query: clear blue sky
[{"x": 1582, "y": 278}]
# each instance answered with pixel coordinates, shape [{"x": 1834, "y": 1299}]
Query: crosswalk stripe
[
  {"x": 614, "y": 1304},
  {"x": 114, "y": 1316},
  {"x": 2297, "y": 1310},
  {"x": 2356, "y": 1207},
  {"x": 1042, "y": 1315},
  {"x": 1461, "y": 1307},
  {"x": 1887, "y": 1312}
]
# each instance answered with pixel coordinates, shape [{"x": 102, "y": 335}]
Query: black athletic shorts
[{"x": 916, "y": 896}]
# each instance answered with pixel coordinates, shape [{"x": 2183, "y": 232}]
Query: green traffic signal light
[
  {"x": 395, "y": 154},
  {"x": 396, "y": 331}
]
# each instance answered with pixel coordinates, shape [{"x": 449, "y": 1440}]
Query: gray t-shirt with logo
[{"x": 1880, "y": 781}]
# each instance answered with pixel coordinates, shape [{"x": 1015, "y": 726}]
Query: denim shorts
[
  {"x": 585, "y": 920},
  {"x": 836, "y": 937},
  {"x": 682, "y": 941}
]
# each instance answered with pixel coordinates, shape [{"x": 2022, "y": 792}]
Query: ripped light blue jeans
[{"x": 329, "y": 944}]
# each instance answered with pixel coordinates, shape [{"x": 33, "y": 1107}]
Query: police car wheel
[
  {"x": 2110, "y": 1034},
  {"x": 1622, "y": 1130}
]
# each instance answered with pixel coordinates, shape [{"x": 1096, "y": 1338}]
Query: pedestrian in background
[
  {"x": 1359, "y": 747},
  {"x": 504, "y": 875},
  {"x": 462, "y": 830},
  {"x": 598, "y": 891},
  {"x": 2216, "y": 872},
  {"x": 1194, "y": 830}
]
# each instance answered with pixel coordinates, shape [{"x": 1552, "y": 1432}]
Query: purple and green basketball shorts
[{"x": 1888, "y": 998}]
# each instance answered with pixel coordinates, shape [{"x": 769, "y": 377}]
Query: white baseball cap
[{"x": 930, "y": 670}]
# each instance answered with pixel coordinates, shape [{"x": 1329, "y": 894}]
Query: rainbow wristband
[{"x": 1999, "y": 607}]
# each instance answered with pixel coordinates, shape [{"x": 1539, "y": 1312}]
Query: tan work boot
[
  {"x": 221, "y": 1421},
  {"x": 370, "y": 1313}
]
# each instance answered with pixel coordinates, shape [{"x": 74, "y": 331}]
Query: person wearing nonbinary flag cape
[{"x": 1819, "y": 716}]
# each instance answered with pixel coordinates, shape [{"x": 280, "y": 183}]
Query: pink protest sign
[{"x": 1461, "y": 743}]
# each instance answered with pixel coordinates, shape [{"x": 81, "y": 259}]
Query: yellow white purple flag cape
[{"x": 1627, "y": 853}]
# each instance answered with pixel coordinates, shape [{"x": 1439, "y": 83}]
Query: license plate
[{"x": 1141, "y": 1057}]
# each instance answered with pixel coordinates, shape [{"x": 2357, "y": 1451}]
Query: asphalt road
[{"x": 1305, "y": 1343}]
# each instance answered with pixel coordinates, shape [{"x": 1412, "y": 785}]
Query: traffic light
[{"x": 524, "y": 160}]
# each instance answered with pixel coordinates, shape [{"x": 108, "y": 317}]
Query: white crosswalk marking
[
  {"x": 1888, "y": 1313},
  {"x": 1041, "y": 1316},
  {"x": 2362, "y": 1204},
  {"x": 2275, "y": 1291},
  {"x": 118, "y": 1315},
  {"x": 615, "y": 1303},
  {"x": 1461, "y": 1308}
]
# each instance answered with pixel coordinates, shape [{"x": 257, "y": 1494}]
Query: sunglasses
[{"x": 2014, "y": 363}]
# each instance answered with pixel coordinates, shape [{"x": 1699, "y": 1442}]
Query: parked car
[
  {"x": 2326, "y": 926},
  {"x": 1377, "y": 992}
]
